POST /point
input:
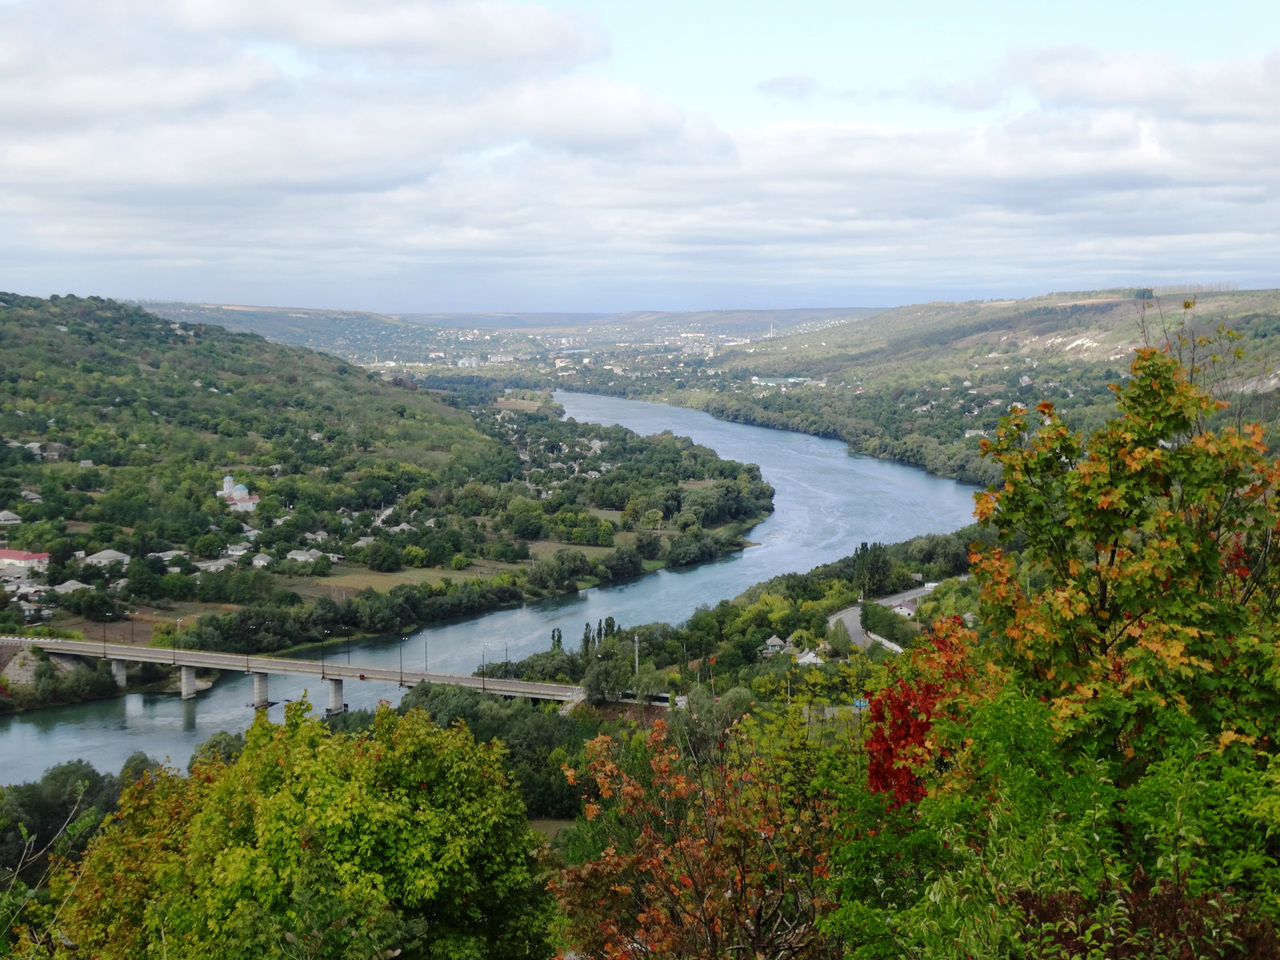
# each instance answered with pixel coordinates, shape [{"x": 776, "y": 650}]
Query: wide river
[{"x": 827, "y": 502}]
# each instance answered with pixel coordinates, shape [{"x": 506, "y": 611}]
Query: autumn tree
[
  {"x": 712, "y": 859},
  {"x": 1147, "y": 589}
]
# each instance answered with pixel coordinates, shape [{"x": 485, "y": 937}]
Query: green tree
[
  {"x": 406, "y": 838},
  {"x": 383, "y": 557}
]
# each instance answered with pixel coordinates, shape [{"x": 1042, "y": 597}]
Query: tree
[
  {"x": 383, "y": 557},
  {"x": 407, "y": 838},
  {"x": 608, "y": 671},
  {"x": 703, "y": 860},
  {"x": 648, "y": 545},
  {"x": 1155, "y": 549}
]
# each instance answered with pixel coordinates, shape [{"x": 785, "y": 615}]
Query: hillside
[
  {"x": 121, "y": 387},
  {"x": 1075, "y": 329},
  {"x": 924, "y": 384},
  {"x": 167, "y": 464}
]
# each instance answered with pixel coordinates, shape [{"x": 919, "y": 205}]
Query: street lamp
[{"x": 483, "y": 649}]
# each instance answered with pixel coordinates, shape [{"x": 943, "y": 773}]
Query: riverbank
[
  {"x": 923, "y": 454},
  {"x": 827, "y": 502}
]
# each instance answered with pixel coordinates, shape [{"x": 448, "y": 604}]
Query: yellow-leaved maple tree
[{"x": 1145, "y": 605}]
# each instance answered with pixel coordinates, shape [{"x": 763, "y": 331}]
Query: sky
[{"x": 407, "y": 156}]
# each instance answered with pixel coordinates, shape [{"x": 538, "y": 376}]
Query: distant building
[
  {"x": 237, "y": 496},
  {"x": 71, "y": 586},
  {"x": 216, "y": 566},
  {"x": 772, "y": 646},
  {"x": 21, "y": 559},
  {"x": 105, "y": 558}
]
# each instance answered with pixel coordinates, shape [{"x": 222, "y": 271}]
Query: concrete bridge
[{"x": 119, "y": 655}]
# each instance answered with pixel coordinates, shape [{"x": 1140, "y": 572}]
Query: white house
[
  {"x": 105, "y": 558},
  {"x": 21, "y": 559},
  {"x": 216, "y": 566},
  {"x": 8, "y": 518}
]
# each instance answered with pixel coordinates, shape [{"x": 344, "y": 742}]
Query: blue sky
[{"x": 424, "y": 155}]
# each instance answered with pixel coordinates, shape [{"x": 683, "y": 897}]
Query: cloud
[
  {"x": 441, "y": 32},
  {"x": 431, "y": 155},
  {"x": 789, "y": 86}
]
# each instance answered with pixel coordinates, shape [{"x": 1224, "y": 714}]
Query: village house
[
  {"x": 216, "y": 566},
  {"x": 104, "y": 558},
  {"x": 71, "y": 586},
  {"x": 22, "y": 560},
  {"x": 907, "y": 608},
  {"x": 772, "y": 646}
]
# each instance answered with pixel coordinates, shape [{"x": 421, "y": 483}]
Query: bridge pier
[
  {"x": 188, "y": 683},
  {"x": 119, "y": 672},
  {"x": 260, "y": 700},
  {"x": 335, "y": 696}
]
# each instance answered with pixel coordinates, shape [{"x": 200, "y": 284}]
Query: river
[{"x": 827, "y": 502}]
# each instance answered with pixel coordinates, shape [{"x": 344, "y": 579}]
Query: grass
[
  {"x": 543, "y": 549},
  {"x": 346, "y": 579}
]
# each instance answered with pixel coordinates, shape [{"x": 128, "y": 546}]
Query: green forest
[{"x": 1074, "y": 758}]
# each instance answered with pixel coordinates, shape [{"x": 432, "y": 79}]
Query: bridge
[{"x": 119, "y": 655}]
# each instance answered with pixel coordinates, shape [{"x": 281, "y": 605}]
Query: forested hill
[
  {"x": 172, "y": 405},
  {"x": 923, "y": 384}
]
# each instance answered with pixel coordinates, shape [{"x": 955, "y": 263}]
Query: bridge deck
[{"x": 205, "y": 659}]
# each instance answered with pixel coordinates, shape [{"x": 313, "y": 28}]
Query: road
[
  {"x": 205, "y": 659},
  {"x": 852, "y": 618}
]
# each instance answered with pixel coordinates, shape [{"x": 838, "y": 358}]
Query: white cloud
[
  {"x": 395, "y": 148},
  {"x": 441, "y": 32}
]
